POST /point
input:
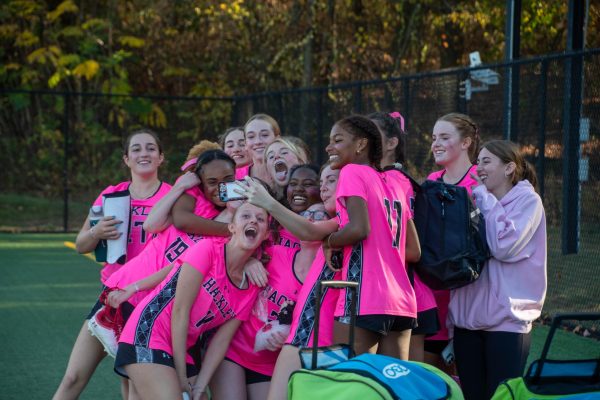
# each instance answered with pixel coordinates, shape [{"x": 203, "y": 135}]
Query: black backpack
[{"x": 452, "y": 235}]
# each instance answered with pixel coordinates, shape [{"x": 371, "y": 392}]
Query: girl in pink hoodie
[{"x": 492, "y": 317}]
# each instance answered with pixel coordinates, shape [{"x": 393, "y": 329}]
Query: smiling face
[
  {"x": 303, "y": 189},
  {"x": 250, "y": 226},
  {"x": 143, "y": 155},
  {"x": 495, "y": 175},
  {"x": 235, "y": 147},
  {"x": 259, "y": 134},
  {"x": 211, "y": 174},
  {"x": 447, "y": 144},
  {"x": 280, "y": 159},
  {"x": 328, "y": 182},
  {"x": 343, "y": 147}
]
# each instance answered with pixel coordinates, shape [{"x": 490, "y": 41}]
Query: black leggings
[{"x": 484, "y": 359}]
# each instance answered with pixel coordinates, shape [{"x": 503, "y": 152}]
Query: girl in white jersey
[{"x": 143, "y": 155}]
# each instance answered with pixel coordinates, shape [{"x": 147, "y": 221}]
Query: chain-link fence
[{"x": 67, "y": 145}]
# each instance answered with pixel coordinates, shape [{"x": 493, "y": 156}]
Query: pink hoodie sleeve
[{"x": 509, "y": 234}]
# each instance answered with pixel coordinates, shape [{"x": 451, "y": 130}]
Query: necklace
[{"x": 143, "y": 195}]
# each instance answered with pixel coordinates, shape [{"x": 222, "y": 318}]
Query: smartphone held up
[{"x": 229, "y": 191}]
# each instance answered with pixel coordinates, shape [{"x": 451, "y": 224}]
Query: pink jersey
[
  {"x": 164, "y": 249},
  {"x": 423, "y": 294},
  {"x": 442, "y": 297},
  {"x": 218, "y": 301},
  {"x": 140, "y": 208},
  {"x": 377, "y": 263},
  {"x": 283, "y": 285},
  {"x": 242, "y": 172},
  {"x": 303, "y": 320},
  {"x": 287, "y": 239}
]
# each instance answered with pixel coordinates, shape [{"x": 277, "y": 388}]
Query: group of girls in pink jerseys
[{"x": 216, "y": 298}]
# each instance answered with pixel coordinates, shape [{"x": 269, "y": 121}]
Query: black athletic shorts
[
  {"x": 130, "y": 354},
  {"x": 436, "y": 346},
  {"x": 252, "y": 376},
  {"x": 428, "y": 323},
  {"x": 382, "y": 323}
]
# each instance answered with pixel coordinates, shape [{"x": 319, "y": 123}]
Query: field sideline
[{"x": 46, "y": 291}]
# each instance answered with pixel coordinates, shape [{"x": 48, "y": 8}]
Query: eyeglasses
[{"x": 314, "y": 215}]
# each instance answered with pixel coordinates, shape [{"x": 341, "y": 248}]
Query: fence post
[
  {"x": 572, "y": 115},
  {"x": 319, "y": 106},
  {"x": 541, "y": 158},
  {"x": 66, "y": 135},
  {"x": 511, "y": 83},
  {"x": 406, "y": 106}
]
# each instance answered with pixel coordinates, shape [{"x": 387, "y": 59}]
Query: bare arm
[
  {"x": 413, "y": 246},
  {"x": 160, "y": 217},
  {"x": 214, "y": 355},
  {"x": 299, "y": 226},
  {"x": 357, "y": 228},
  {"x": 115, "y": 298},
  {"x": 88, "y": 237},
  {"x": 185, "y": 220},
  {"x": 187, "y": 289}
]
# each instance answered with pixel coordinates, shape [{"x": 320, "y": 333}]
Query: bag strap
[
  {"x": 398, "y": 167},
  {"x": 353, "y": 286}
]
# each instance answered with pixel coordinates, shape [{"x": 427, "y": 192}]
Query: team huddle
[{"x": 219, "y": 292}]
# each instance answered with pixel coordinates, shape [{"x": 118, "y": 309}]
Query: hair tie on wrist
[
  {"x": 329, "y": 240},
  {"x": 136, "y": 287}
]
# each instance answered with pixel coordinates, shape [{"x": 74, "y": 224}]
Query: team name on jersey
[
  {"x": 288, "y": 243},
  {"x": 210, "y": 286},
  {"x": 141, "y": 210}
]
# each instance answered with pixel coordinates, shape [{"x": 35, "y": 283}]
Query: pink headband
[
  {"x": 399, "y": 117},
  {"x": 188, "y": 164}
]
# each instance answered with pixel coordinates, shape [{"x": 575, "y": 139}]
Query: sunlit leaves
[
  {"x": 87, "y": 69},
  {"x": 66, "y": 6},
  {"x": 26, "y": 39},
  {"x": 132, "y": 41}
]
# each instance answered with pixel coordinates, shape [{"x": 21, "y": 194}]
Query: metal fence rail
[{"x": 75, "y": 139}]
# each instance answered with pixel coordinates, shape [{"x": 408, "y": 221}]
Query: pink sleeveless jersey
[
  {"x": 303, "y": 320},
  {"x": 242, "y": 172},
  {"x": 287, "y": 239},
  {"x": 442, "y": 297},
  {"x": 377, "y": 263},
  {"x": 423, "y": 294},
  {"x": 164, "y": 249},
  {"x": 140, "y": 208},
  {"x": 218, "y": 301},
  {"x": 283, "y": 285}
]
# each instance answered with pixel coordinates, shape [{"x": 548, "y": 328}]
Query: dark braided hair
[
  {"x": 390, "y": 127},
  {"x": 211, "y": 155},
  {"x": 360, "y": 127}
]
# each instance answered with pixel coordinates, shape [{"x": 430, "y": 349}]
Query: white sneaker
[{"x": 104, "y": 335}]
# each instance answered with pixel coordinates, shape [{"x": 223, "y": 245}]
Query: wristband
[{"x": 93, "y": 232}]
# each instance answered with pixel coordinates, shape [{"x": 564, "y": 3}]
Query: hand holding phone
[{"x": 228, "y": 191}]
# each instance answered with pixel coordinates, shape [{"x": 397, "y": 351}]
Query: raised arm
[
  {"x": 160, "y": 217},
  {"x": 185, "y": 220},
  {"x": 299, "y": 226}
]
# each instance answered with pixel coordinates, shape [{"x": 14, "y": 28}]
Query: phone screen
[{"x": 227, "y": 191}]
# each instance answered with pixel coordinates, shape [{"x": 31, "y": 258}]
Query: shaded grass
[
  {"x": 45, "y": 293},
  {"x": 47, "y": 290},
  {"x": 28, "y": 213}
]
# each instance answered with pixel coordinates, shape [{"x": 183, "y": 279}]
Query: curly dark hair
[{"x": 360, "y": 126}]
